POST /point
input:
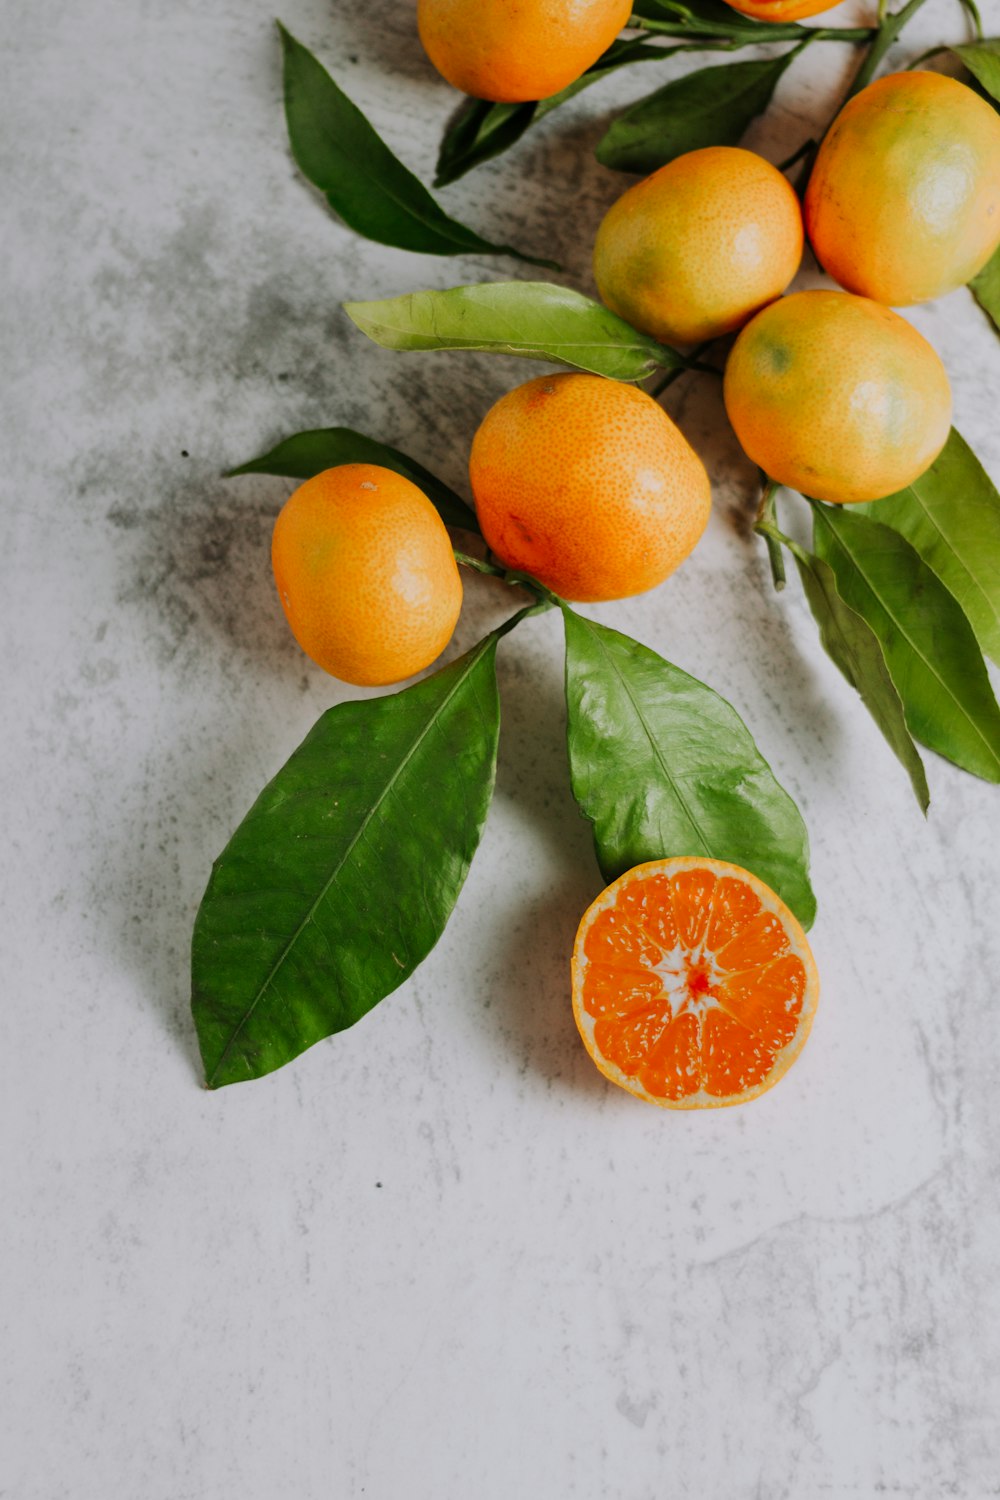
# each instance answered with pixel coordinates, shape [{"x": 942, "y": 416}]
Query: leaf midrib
[
  {"x": 960, "y": 560},
  {"x": 475, "y": 659}
]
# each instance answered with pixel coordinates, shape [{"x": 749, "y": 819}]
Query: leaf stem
[
  {"x": 544, "y": 598},
  {"x": 692, "y": 362},
  {"x": 766, "y": 525},
  {"x": 807, "y": 146},
  {"x": 890, "y": 25}
]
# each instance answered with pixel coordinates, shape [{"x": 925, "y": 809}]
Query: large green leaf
[
  {"x": 309, "y": 453},
  {"x": 341, "y": 878},
  {"x": 482, "y": 130},
  {"x": 531, "y": 318},
  {"x": 710, "y": 107},
  {"x": 951, "y": 514},
  {"x": 986, "y": 289},
  {"x": 983, "y": 61},
  {"x": 852, "y": 644},
  {"x": 363, "y": 182},
  {"x": 929, "y": 645},
  {"x": 662, "y": 766}
]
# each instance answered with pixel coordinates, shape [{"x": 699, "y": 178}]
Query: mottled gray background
[{"x": 437, "y": 1256}]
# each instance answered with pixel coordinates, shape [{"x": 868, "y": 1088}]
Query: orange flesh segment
[{"x": 692, "y": 984}]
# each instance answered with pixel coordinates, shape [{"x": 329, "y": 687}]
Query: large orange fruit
[
  {"x": 366, "y": 574},
  {"x": 904, "y": 200},
  {"x": 587, "y": 484},
  {"x": 514, "y": 50},
  {"x": 781, "y": 10},
  {"x": 693, "y": 984},
  {"x": 837, "y": 396},
  {"x": 697, "y": 248}
]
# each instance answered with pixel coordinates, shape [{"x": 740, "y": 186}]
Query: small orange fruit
[
  {"x": 693, "y": 984},
  {"x": 586, "y": 484},
  {"x": 837, "y": 396},
  {"x": 514, "y": 50},
  {"x": 904, "y": 200},
  {"x": 366, "y": 574},
  {"x": 781, "y": 10},
  {"x": 697, "y": 248}
]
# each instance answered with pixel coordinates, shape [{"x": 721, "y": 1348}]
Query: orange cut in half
[{"x": 693, "y": 984}]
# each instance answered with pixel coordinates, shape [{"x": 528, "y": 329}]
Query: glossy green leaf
[
  {"x": 482, "y": 130},
  {"x": 341, "y": 878},
  {"x": 309, "y": 453},
  {"x": 533, "y": 319},
  {"x": 710, "y": 107},
  {"x": 983, "y": 61},
  {"x": 929, "y": 645},
  {"x": 986, "y": 289},
  {"x": 363, "y": 182},
  {"x": 951, "y": 514},
  {"x": 851, "y": 643},
  {"x": 662, "y": 766}
]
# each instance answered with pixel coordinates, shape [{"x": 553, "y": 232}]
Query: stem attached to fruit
[{"x": 766, "y": 525}]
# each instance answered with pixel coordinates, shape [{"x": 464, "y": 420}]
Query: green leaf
[
  {"x": 309, "y": 453},
  {"x": 986, "y": 289},
  {"x": 363, "y": 182},
  {"x": 951, "y": 514},
  {"x": 531, "y": 318},
  {"x": 983, "y": 61},
  {"x": 662, "y": 766},
  {"x": 929, "y": 645},
  {"x": 852, "y": 644},
  {"x": 341, "y": 878},
  {"x": 711, "y": 107},
  {"x": 482, "y": 130}
]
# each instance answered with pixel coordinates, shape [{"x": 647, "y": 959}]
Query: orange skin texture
[
  {"x": 366, "y": 574},
  {"x": 514, "y": 50},
  {"x": 837, "y": 396},
  {"x": 781, "y": 10},
  {"x": 694, "y": 250},
  {"x": 694, "y": 986},
  {"x": 904, "y": 199},
  {"x": 586, "y": 484}
]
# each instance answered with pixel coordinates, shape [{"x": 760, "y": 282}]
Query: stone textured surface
[{"x": 437, "y": 1256}]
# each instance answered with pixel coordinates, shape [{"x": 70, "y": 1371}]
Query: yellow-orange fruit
[
  {"x": 837, "y": 396},
  {"x": 366, "y": 574},
  {"x": 904, "y": 200},
  {"x": 515, "y": 50},
  {"x": 586, "y": 484},
  {"x": 781, "y": 10},
  {"x": 697, "y": 248}
]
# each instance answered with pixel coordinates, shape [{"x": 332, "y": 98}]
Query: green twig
[
  {"x": 692, "y": 362},
  {"x": 804, "y": 150},
  {"x": 543, "y": 596},
  {"x": 766, "y": 525},
  {"x": 889, "y": 28}
]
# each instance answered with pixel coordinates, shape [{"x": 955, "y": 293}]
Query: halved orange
[{"x": 693, "y": 984}]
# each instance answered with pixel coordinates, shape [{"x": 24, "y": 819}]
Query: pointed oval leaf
[
  {"x": 951, "y": 514},
  {"x": 983, "y": 61},
  {"x": 711, "y": 107},
  {"x": 662, "y": 766},
  {"x": 851, "y": 643},
  {"x": 341, "y": 878},
  {"x": 363, "y": 182},
  {"x": 986, "y": 289},
  {"x": 929, "y": 645},
  {"x": 309, "y": 453},
  {"x": 533, "y": 319}
]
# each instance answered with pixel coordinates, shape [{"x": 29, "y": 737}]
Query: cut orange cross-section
[{"x": 693, "y": 984}]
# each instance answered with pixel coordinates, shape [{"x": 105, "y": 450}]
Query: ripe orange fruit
[
  {"x": 781, "y": 10},
  {"x": 587, "y": 484},
  {"x": 514, "y": 50},
  {"x": 693, "y": 984},
  {"x": 366, "y": 574},
  {"x": 904, "y": 200},
  {"x": 837, "y": 396},
  {"x": 697, "y": 248}
]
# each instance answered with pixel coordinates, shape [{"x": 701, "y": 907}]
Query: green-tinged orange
[
  {"x": 587, "y": 484},
  {"x": 697, "y": 248},
  {"x": 904, "y": 199},
  {"x": 837, "y": 396},
  {"x": 366, "y": 574}
]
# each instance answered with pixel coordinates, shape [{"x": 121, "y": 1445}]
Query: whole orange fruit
[
  {"x": 781, "y": 10},
  {"x": 904, "y": 200},
  {"x": 366, "y": 574},
  {"x": 515, "y": 50},
  {"x": 837, "y": 396},
  {"x": 693, "y": 984},
  {"x": 697, "y": 248},
  {"x": 586, "y": 484}
]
